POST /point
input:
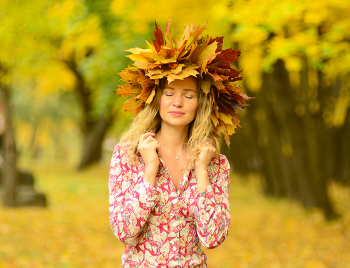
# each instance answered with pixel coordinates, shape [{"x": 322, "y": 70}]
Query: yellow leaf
[
  {"x": 150, "y": 97},
  {"x": 214, "y": 119},
  {"x": 225, "y": 118},
  {"x": 230, "y": 129}
]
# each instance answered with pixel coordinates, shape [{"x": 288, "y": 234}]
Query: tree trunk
[
  {"x": 93, "y": 129},
  {"x": 9, "y": 174},
  {"x": 92, "y": 150}
]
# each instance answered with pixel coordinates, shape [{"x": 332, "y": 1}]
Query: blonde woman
[{"x": 168, "y": 182}]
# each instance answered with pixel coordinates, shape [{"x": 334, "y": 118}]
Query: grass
[{"x": 74, "y": 230}]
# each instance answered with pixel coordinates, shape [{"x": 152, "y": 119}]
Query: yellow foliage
[
  {"x": 63, "y": 9},
  {"x": 82, "y": 37},
  {"x": 252, "y": 73},
  {"x": 57, "y": 76},
  {"x": 140, "y": 13}
]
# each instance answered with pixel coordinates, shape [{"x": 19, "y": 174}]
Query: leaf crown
[{"x": 192, "y": 55}]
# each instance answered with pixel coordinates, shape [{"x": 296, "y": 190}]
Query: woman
[{"x": 168, "y": 183}]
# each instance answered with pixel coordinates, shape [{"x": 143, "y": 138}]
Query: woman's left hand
[{"x": 207, "y": 152}]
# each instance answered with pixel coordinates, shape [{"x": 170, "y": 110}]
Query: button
[{"x": 174, "y": 248}]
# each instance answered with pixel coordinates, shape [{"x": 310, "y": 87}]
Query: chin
[{"x": 177, "y": 123}]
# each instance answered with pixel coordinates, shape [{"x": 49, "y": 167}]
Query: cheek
[
  {"x": 162, "y": 105},
  {"x": 194, "y": 107}
]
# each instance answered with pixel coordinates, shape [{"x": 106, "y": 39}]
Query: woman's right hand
[{"x": 149, "y": 150}]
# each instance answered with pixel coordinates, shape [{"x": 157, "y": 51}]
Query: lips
[{"x": 174, "y": 113}]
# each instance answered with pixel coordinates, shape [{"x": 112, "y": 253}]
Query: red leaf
[
  {"x": 219, "y": 40},
  {"x": 158, "y": 34}
]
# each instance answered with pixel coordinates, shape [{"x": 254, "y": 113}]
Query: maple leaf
[
  {"x": 206, "y": 85},
  {"x": 182, "y": 75},
  {"x": 167, "y": 35},
  {"x": 204, "y": 54},
  {"x": 158, "y": 42},
  {"x": 138, "y": 50},
  {"x": 214, "y": 119},
  {"x": 132, "y": 105},
  {"x": 137, "y": 85},
  {"x": 219, "y": 40}
]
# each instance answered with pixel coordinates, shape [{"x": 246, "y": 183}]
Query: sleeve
[
  {"x": 212, "y": 211},
  {"x": 131, "y": 198}
]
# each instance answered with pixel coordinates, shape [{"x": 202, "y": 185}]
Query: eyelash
[{"x": 188, "y": 97}]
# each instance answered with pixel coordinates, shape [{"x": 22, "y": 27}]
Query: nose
[{"x": 178, "y": 102}]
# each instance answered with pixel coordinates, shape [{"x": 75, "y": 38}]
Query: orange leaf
[{"x": 167, "y": 35}]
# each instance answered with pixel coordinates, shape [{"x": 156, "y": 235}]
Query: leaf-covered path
[{"x": 74, "y": 230}]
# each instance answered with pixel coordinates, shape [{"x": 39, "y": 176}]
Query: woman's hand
[
  {"x": 207, "y": 152},
  {"x": 149, "y": 150}
]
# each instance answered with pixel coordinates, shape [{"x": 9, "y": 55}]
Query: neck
[{"x": 172, "y": 138}]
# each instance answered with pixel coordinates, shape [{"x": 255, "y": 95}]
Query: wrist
[
  {"x": 200, "y": 166},
  {"x": 151, "y": 171}
]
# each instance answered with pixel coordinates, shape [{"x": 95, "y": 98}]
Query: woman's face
[{"x": 178, "y": 103}]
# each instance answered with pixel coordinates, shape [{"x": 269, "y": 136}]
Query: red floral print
[{"x": 161, "y": 226}]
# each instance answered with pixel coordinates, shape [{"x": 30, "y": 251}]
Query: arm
[
  {"x": 131, "y": 198},
  {"x": 213, "y": 206}
]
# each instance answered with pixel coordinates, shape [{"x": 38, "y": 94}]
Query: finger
[
  {"x": 159, "y": 153},
  {"x": 146, "y": 135},
  {"x": 158, "y": 150}
]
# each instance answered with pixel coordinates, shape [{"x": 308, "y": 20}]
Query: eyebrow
[{"x": 186, "y": 89}]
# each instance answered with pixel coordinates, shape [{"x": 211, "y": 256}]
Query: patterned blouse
[{"x": 161, "y": 226}]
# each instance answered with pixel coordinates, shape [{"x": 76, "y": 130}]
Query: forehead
[{"x": 188, "y": 84}]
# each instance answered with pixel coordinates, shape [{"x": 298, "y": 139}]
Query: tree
[
  {"x": 13, "y": 59},
  {"x": 8, "y": 148},
  {"x": 296, "y": 64}
]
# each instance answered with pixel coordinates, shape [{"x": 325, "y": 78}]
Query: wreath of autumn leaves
[{"x": 192, "y": 55}]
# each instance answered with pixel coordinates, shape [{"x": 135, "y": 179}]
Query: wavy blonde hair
[{"x": 148, "y": 119}]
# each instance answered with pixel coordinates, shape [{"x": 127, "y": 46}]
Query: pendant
[{"x": 177, "y": 158}]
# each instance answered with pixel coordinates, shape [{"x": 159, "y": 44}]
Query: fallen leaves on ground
[{"x": 74, "y": 230}]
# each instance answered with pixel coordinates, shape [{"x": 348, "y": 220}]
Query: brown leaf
[
  {"x": 132, "y": 105},
  {"x": 205, "y": 85}
]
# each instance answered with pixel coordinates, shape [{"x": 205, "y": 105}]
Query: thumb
[{"x": 159, "y": 153}]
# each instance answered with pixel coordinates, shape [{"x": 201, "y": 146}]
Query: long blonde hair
[{"x": 148, "y": 119}]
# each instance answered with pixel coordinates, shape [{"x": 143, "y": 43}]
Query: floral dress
[{"x": 161, "y": 226}]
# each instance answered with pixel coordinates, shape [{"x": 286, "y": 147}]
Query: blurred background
[{"x": 59, "y": 122}]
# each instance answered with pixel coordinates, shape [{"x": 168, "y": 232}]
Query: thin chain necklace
[{"x": 176, "y": 157}]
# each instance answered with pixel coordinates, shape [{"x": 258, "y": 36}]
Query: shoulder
[{"x": 121, "y": 153}]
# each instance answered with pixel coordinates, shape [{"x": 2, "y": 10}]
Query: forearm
[
  {"x": 129, "y": 214},
  {"x": 150, "y": 173},
  {"x": 202, "y": 178},
  {"x": 213, "y": 205},
  {"x": 212, "y": 218}
]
